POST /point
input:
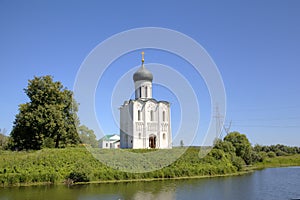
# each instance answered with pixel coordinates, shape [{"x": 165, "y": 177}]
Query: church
[{"x": 145, "y": 123}]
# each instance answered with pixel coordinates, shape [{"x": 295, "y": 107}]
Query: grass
[
  {"x": 279, "y": 161},
  {"x": 69, "y": 165}
]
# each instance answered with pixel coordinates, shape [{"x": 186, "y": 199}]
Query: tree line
[
  {"x": 50, "y": 120},
  {"x": 237, "y": 144}
]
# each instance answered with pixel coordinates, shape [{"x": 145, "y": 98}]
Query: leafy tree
[
  {"x": 258, "y": 148},
  {"x": 238, "y": 162},
  {"x": 49, "y": 116},
  {"x": 242, "y": 146},
  {"x": 256, "y": 157},
  {"x": 226, "y": 146},
  {"x": 87, "y": 136},
  {"x": 217, "y": 154}
]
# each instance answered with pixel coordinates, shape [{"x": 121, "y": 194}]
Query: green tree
[
  {"x": 87, "y": 136},
  {"x": 242, "y": 146},
  {"x": 226, "y": 146},
  {"x": 49, "y": 115}
]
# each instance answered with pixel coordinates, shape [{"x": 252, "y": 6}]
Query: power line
[
  {"x": 267, "y": 126},
  {"x": 273, "y": 108},
  {"x": 269, "y": 119}
]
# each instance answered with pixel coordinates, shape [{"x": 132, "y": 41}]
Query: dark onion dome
[{"x": 142, "y": 74}]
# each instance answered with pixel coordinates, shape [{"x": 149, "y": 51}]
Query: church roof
[
  {"x": 144, "y": 101},
  {"x": 142, "y": 74},
  {"x": 113, "y": 137}
]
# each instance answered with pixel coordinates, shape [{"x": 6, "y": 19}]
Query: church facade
[{"x": 145, "y": 122}]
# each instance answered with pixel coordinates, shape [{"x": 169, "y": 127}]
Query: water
[{"x": 268, "y": 184}]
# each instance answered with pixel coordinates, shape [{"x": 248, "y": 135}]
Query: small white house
[{"x": 110, "y": 142}]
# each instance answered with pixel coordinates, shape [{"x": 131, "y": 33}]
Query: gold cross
[{"x": 143, "y": 59}]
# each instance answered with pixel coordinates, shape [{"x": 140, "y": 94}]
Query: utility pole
[
  {"x": 227, "y": 129},
  {"x": 219, "y": 121}
]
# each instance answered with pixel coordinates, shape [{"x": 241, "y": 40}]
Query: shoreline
[
  {"x": 51, "y": 167},
  {"x": 241, "y": 173},
  {"x": 247, "y": 170},
  {"x": 164, "y": 179},
  {"x": 129, "y": 180}
]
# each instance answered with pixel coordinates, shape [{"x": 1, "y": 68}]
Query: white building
[
  {"x": 144, "y": 121},
  {"x": 110, "y": 142}
]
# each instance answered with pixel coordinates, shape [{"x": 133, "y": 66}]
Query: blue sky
[{"x": 255, "y": 45}]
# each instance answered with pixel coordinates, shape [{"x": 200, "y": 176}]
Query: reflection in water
[
  {"x": 167, "y": 195},
  {"x": 276, "y": 183}
]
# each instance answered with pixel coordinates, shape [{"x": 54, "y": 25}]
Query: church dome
[{"x": 142, "y": 74}]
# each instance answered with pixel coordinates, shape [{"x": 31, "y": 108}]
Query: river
[{"x": 267, "y": 184}]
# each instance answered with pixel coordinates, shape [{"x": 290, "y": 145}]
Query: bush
[
  {"x": 217, "y": 154},
  {"x": 271, "y": 154},
  {"x": 256, "y": 157},
  {"x": 78, "y": 177},
  {"x": 263, "y": 155},
  {"x": 281, "y": 153},
  {"x": 238, "y": 162}
]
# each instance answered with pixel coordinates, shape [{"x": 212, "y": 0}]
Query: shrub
[
  {"x": 78, "y": 177},
  {"x": 263, "y": 155},
  {"x": 217, "y": 154},
  {"x": 271, "y": 154},
  {"x": 238, "y": 162},
  {"x": 281, "y": 153}
]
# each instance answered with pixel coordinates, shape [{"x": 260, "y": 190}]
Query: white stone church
[{"x": 145, "y": 122}]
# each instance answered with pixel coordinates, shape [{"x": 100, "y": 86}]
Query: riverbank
[
  {"x": 279, "y": 161},
  {"x": 163, "y": 179},
  {"x": 282, "y": 161},
  {"x": 77, "y": 165}
]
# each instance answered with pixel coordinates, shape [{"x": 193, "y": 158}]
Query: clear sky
[{"x": 255, "y": 45}]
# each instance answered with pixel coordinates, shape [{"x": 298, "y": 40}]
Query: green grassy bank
[
  {"x": 70, "y": 165},
  {"x": 279, "y": 161}
]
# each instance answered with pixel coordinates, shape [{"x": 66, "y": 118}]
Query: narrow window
[
  {"x": 146, "y": 91},
  {"x": 140, "y": 135},
  {"x": 151, "y": 115},
  {"x": 164, "y": 136},
  {"x": 164, "y": 116},
  {"x": 139, "y": 115},
  {"x": 140, "y": 92}
]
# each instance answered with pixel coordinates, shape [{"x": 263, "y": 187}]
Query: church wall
[
  {"x": 126, "y": 125},
  {"x": 130, "y": 126},
  {"x": 164, "y": 124},
  {"x": 151, "y": 122},
  {"x": 137, "y": 129},
  {"x": 138, "y": 123},
  {"x": 146, "y": 89}
]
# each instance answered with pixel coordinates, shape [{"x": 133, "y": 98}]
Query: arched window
[
  {"x": 140, "y": 135},
  {"x": 139, "y": 115},
  {"x": 164, "y": 136},
  {"x": 164, "y": 116},
  {"x": 146, "y": 91},
  {"x": 151, "y": 115}
]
